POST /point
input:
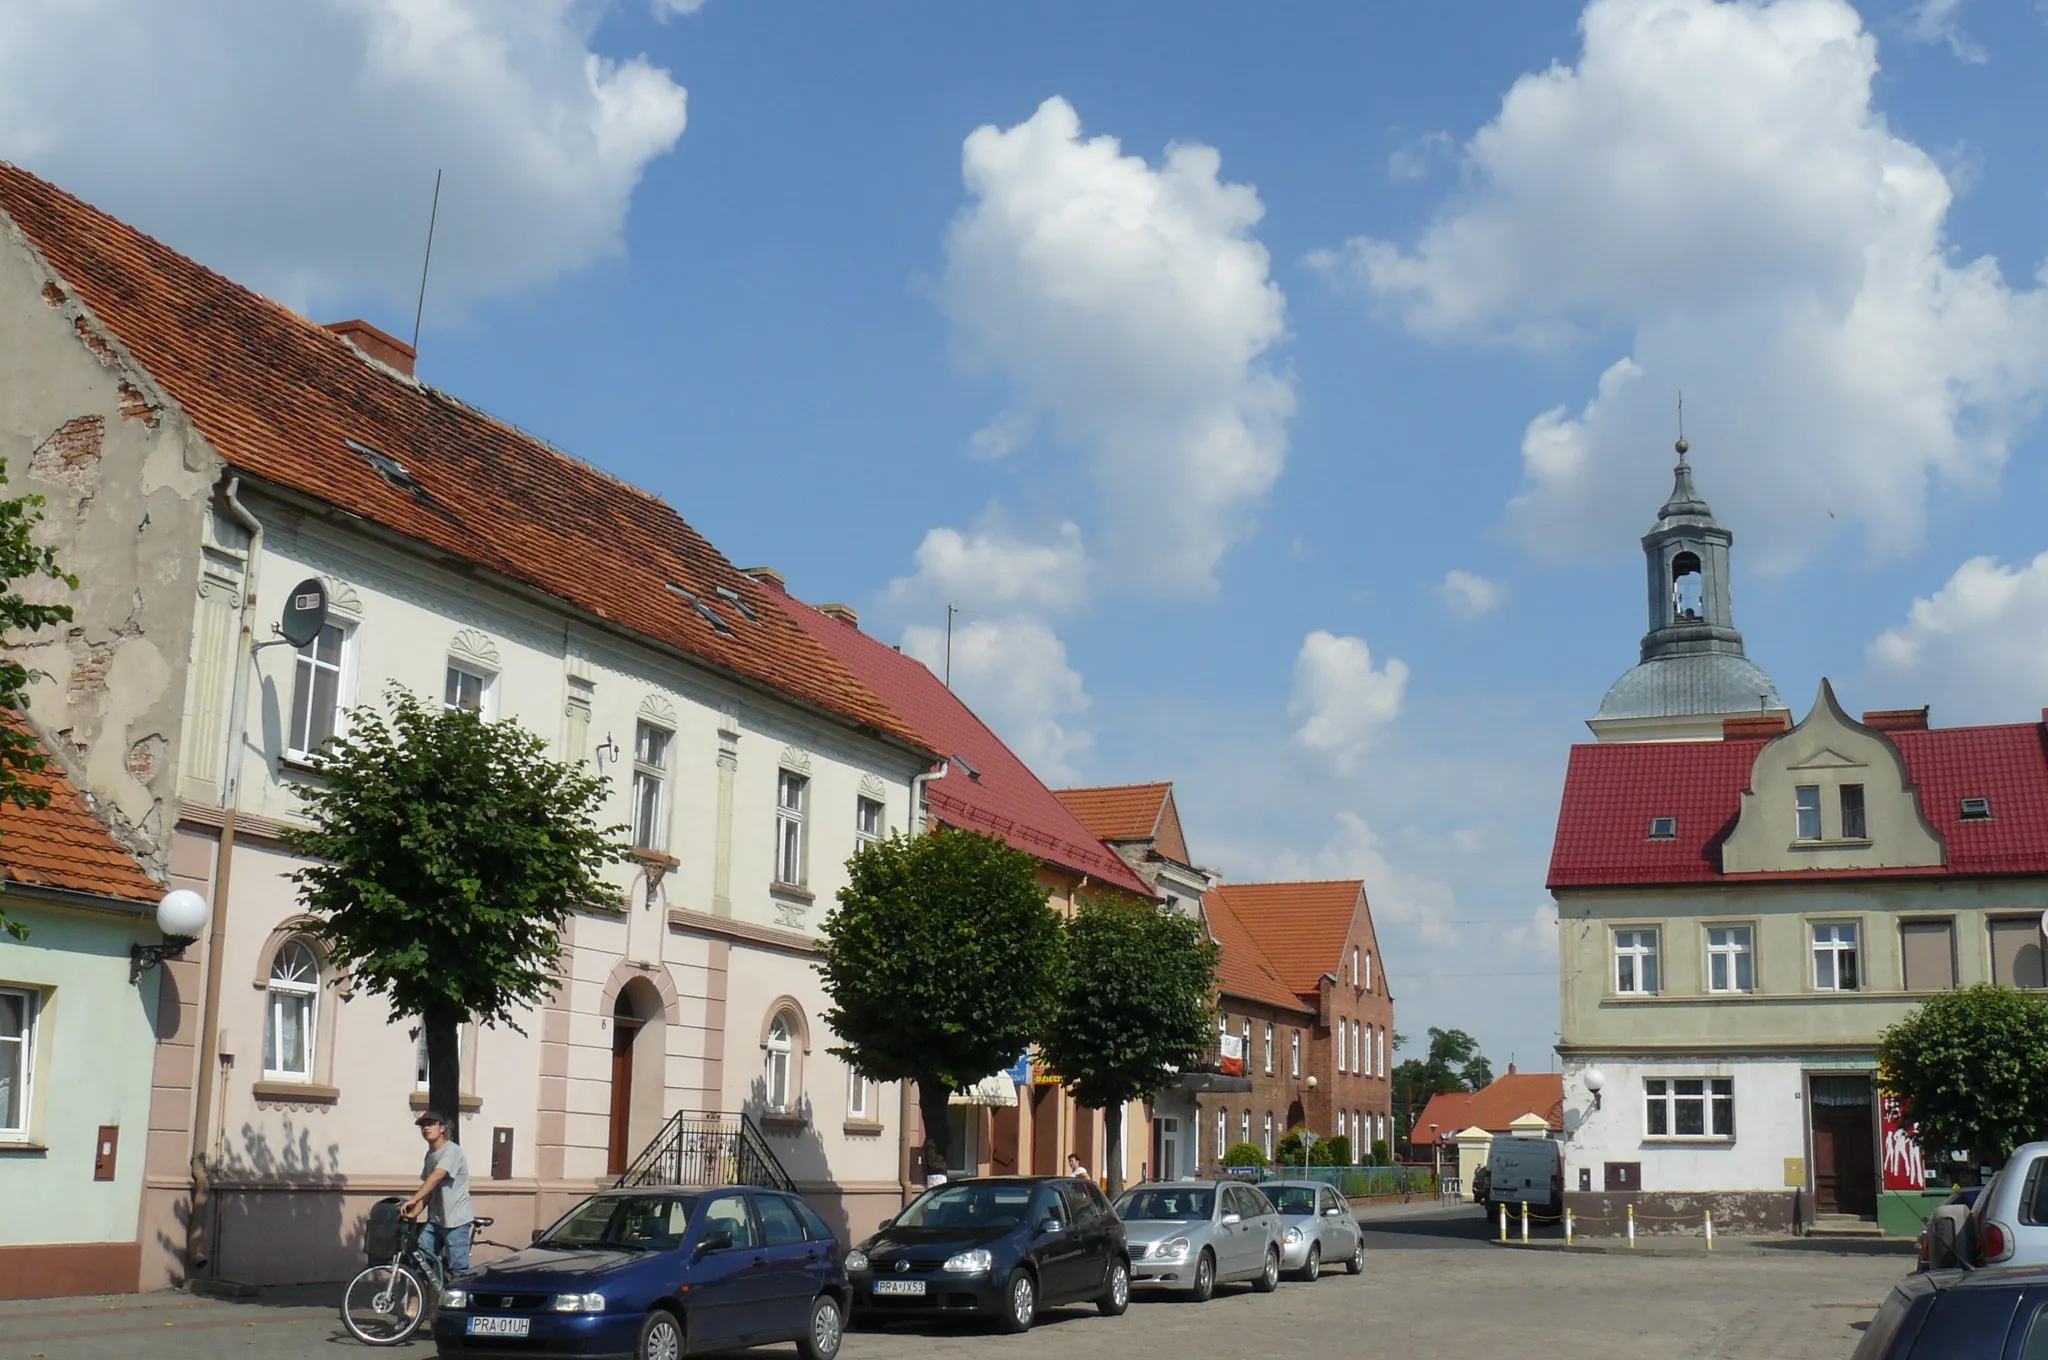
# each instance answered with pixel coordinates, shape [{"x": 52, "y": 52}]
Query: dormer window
[
  {"x": 1663, "y": 828},
  {"x": 1976, "y": 809}
]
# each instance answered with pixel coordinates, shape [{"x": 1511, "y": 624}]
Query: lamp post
[{"x": 181, "y": 916}]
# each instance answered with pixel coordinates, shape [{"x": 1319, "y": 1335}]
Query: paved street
[{"x": 1434, "y": 1282}]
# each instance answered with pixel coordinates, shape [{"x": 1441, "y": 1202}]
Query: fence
[{"x": 1705, "y": 1219}]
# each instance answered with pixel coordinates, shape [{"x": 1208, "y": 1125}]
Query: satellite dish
[{"x": 305, "y": 612}]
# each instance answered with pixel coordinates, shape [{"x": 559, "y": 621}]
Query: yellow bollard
[
  {"x": 1710, "y": 1230},
  {"x": 1631, "y": 1227},
  {"x": 1503, "y": 1224},
  {"x": 1525, "y": 1223},
  {"x": 1567, "y": 1227}
]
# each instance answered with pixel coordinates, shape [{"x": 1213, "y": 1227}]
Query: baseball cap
[{"x": 432, "y": 1117}]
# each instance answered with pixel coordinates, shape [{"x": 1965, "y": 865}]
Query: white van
[{"x": 1526, "y": 1171}]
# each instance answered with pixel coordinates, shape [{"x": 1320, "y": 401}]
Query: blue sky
[{"x": 1252, "y": 400}]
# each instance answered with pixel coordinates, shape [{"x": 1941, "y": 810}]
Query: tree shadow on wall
[
  {"x": 794, "y": 1139},
  {"x": 277, "y": 1214}
]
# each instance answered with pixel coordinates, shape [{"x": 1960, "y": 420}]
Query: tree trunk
[
  {"x": 1113, "y": 1149},
  {"x": 443, "y": 1029},
  {"x": 934, "y": 1103}
]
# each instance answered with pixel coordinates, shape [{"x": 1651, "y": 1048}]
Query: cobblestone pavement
[{"x": 1433, "y": 1284}]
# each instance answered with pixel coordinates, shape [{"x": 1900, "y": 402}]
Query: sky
[{"x": 1279, "y": 391}]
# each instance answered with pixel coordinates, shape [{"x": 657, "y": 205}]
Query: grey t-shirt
[{"x": 448, "y": 1206}]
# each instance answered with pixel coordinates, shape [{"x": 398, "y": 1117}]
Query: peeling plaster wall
[{"x": 126, "y": 480}]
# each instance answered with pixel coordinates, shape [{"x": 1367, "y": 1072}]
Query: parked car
[
  {"x": 1190, "y": 1236},
  {"x": 656, "y": 1274},
  {"x": 2008, "y": 1225},
  {"x": 998, "y": 1247},
  {"x": 1316, "y": 1227},
  {"x": 1946, "y": 1227},
  {"x": 1995, "y": 1314},
  {"x": 1526, "y": 1171}
]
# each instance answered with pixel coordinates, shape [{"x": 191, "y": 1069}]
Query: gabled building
[
  {"x": 1141, "y": 823},
  {"x": 1456, "y": 1129}
]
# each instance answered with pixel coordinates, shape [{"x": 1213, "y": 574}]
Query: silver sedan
[
  {"x": 1317, "y": 1228},
  {"x": 1190, "y": 1236}
]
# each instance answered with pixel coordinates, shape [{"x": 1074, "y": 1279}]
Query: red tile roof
[
  {"x": 1242, "y": 969},
  {"x": 1301, "y": 928},
  {"x": 1119, "y": 812},
  {"x": 1495, "y": 1107},
  {"x": 1612, "y": 791},
  {"x": 1006, "y": 799},
  {"x": 64, "y": 846},
  {"x": 280, "y": 398},
  {"x": 1446, "y": 1110}
]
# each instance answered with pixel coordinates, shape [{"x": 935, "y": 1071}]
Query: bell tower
[{"x": 1686, "y": 552}]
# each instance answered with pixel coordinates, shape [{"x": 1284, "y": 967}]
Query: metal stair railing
[{"x": 708, "y": 1150}]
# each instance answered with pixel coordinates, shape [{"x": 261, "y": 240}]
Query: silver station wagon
[{"x": 1190, "y": 1236}]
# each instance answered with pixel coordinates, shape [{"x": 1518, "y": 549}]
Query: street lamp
[
  {"x": 180, "y": 916},
  {"x": 1595, "y": 1080}
]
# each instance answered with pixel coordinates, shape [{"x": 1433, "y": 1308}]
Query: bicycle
[{"x": 386, "y": 1303}]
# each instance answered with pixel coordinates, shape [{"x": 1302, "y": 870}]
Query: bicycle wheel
[{"x": 384, "y": 1305}]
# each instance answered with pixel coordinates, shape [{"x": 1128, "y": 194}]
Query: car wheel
[
  {"x": 1020, "y": 1302},
  {"x": 1356, "y": 1265},
  {"x": 827, "y": 1330},
  {"x": 1312, "y": 1268},
  {"x": 1205, "y": 1278},
  {"x": 661, "y": 1337},
  {"x": 1117, "y": 1297},
  {"x": 1269, "y": 1278}
]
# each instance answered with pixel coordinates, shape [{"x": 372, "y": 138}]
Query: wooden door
[
  {"x": 623, "y": 1035},
  {"x": 1844, "y": 1164}
]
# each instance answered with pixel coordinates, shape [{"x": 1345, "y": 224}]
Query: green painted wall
[
  {"x": 1901, "y": 1213},
  {"x": 95, "y": 1047}
]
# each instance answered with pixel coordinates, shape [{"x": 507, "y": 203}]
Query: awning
[
  {"x": 998, "y": 1088},
  {"x": 1212, "y": 1083}
]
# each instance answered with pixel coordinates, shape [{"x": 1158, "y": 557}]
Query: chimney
[
  {"x": 845, "y": 613},
  {"x": 1749, "y": 729},
  {"x": 767, "y": 576},
  {"x": 1511, "y": 1069},
  {"x": 1897, "y": 719},
  {"x": 387, "y": 350}
]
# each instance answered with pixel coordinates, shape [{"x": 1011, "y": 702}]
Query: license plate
[
  {"x": 490, "y": 1326},
  {"x": 899, "y": 1286}
]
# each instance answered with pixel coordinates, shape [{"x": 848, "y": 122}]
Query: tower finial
[{"x": 1681, "y": 446}]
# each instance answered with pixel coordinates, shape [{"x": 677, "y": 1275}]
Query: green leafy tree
[
  {"x": 21, "y": 757},
  {"x": 1245, "y": 1154},
  {"x": 1339, "y": 1149},
  {"x": 1319, "y": 1152},
  {"x": 1972, "y": 1068},
  {"x": 447, "y": 855},
  {"x": 1454, "y": 1064},
  {"x": 1382, "y": 1155},
  {"x": 942, "y": 960},
  {"x": 1133, "y": 1008}
]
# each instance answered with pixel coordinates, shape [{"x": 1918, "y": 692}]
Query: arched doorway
[{"x": 639, "y": 1044}]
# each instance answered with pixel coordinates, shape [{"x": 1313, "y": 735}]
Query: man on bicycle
[{"x": 443, "y": 1194}]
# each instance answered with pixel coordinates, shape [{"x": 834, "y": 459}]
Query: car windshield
[
  {"x": 969, "y": 1204},
  {"x": 1291, "y": 1199},
  {"x": 624, "y": 1222},
  {"x": 1174, "y": 1204}
]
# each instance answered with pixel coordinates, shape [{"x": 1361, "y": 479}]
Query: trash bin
[{"x": 384, "y": 1230}]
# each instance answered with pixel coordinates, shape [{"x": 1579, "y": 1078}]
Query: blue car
[{"x": 658, "y": 1274}]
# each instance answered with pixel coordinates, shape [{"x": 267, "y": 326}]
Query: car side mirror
[
  {"x": 538, "y": 1234},
  {"x": 1049, "y": 1225},
  {"x": 1333, "y": 1212},
  {"x": 716, "y": 1241},
  {"x": 887, "y": 1224},
  {"x": 1230, "y": 1220}
]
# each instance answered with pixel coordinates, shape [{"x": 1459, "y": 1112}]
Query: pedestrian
[
  {"x": 1074, "y": 1167},
  {"x": 443, "y": 1195}
]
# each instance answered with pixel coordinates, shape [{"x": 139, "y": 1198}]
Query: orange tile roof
[
  {"x": 64, "y": 846},
  {"x": 1446, "y": 1110},
  {"x": 280, "y": 398},
  {"x": 1496, "y": 1106},
  {"x": 1242, "y": 969},
  {"x": 1301, "y": 927},
  {"x": 1119, "y": 812}
]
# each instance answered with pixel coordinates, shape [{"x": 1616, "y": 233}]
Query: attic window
[
  {"x": 389, "y": 468},
  {"x": 733, "y": 596},
  {"x": 1976, "y": 809},
  {"x": 1663, "y": 828},
  {"x": 704, "y": 611},
  {"x": 966, "y": 768}
]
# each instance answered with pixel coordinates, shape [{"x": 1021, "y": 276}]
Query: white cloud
[
  {"x": 1133, "y": 308},
  {"x": 1339, "y": 700},
  {"x": 1713, "y": 178},
  {"x": 1014, "y": 674},
  {"x": 1414, "y": 160},
  {"x": 992, "y": 569},
  {"x": 1977, "y": 649},
  {"x": 1000, "y": 438},
  {"x": 1399, "y": 898},
  {"x": 294, "y": 146},
  {"x": 665, "y": 10},
  {"x": 1935, "y": 21},
  {"x": 1469, "y": 595}
]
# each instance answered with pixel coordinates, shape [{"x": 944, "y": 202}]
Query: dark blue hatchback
[{"x": 658, "y": 1274}]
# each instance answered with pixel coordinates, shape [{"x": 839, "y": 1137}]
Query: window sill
[
  {"x": 784, "y": 1123},
  {"x": 298, "y": 764},
  {"x": 862, "y": 1128},
  {"x": 1689, "y": 1139},
  {"x": 469, "y": 1103},
  {"x": 656, "y": 859},
  {"x": 296, "y": 1092},
  {"x": 24, "y": 1146},
  {"x": 801, "y": 894},
  {"x": 1864, "y": 844}
]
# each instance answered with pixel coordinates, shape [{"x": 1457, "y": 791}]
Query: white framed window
[
  {"x": 1854, "y": 826},
  {"x": 867, "y": 821},
  {"x": 1806, "y": 812},
  {"x": 1244, "y": 1127},
  {"x": 1294, "y": 1054},
  {"x": 858, "y": 1092},
  {"x": 1343, "y": 1026},
  {"x": 461, "y": 1056},
  {"x": 792, "y": 791},
  {"x": 468, "y": 690},
  {"x": 1731, "y": 963},
  {"x": 1354, "y": 965},
  {"x": 318, "y": 673},
  {"x": 1222, "y": 1132},
  {"x": 1368, "y": 970},
  {"x": 650, "y": 786},
  {"x": 1689, "y": 1107},
  {"x": 1381, "y": 1044},
  {"x": 1343, "y": 1126},
  {"x": 779, "y": 1067},
  {"x": 1269, "y": 1135},
  {"x": 1835, "y": 957},
  {"x": 1357, "y": 1049},
  {"x": 1269, "y": 1047},
  {"x": 1635, "y": 962},
  {"x": 293, "y": 1002},
  {"x": 18, "y": 1008},
  {"x": 1247, "y": 1047}
]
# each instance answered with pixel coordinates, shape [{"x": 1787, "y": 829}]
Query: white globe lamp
[
  {"x": 181, "y": 916},
  {"x": 1596, "y": 1081}
]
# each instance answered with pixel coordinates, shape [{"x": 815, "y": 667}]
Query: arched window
[
  {"x": 1686, "y": 583},
  {"x": 293, "y": 994},
  {"x": 1368, "y": 970},
  {"x": 780, "y": 1071},
  {"x": 1354, "y": 965},
  {"x": 1343, "y": 1028},
  {"x": 1269, "y": 1135}
]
